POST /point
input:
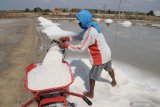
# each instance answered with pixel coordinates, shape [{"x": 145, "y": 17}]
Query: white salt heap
[
  {"x": 126, "y": 23},
  {"x": 50, "y": 74},
  {"x": 55, "y": 32},
  {"x": 52, "y": 30},
  {"x": 109, "y": 21},
  {"x": 98, "y": 19}
]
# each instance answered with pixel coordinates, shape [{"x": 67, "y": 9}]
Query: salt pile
[
  {"x": 52, "y": 30},
  {"x": 55, "y": 32},
  {"x": 45, "y": 77},
  {"x": 50, "y": 74},
  {"x": 109, "y": 21},
  {"x": 44, "y": 21},
  {"x": 52, "y": 56},
  {"x": 48, "y": 22},
  {"x": 98, "y": 19},
  {"x": 126, "y": 23},
  {"x": 40, "y": 19}
]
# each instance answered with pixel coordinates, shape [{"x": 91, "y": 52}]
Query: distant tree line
[
  {"x": 75, "y": 10},
  {"x": 37, "y": 9}
]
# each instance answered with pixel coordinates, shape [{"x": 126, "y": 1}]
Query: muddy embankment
[{"x": 20, "y": 45}]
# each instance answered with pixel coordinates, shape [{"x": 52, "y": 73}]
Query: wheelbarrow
[{"x": 52, "y": 95}]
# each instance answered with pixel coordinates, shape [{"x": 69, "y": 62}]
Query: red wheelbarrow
[{"x": 55, "y": 95}]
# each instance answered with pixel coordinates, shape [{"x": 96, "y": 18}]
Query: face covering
[{"x": 85, "y": 18}]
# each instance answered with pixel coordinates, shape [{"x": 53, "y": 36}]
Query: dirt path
[{"x": 12, "y": 90}]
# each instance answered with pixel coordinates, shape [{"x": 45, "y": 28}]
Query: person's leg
[
  {"x": 112, "y": 75},
  {"x": 93, "y": 76},
  {"x": 90, "y": 94},
  {"x": 108, "y": 67}
]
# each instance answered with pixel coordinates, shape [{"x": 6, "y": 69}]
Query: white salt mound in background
[
  {"x": 55, "y": 32},
  {"x": 126, "y": 23},
  {"x": 52, "y": 30},
  {"x": 98, "y": 19},
  {"x": 48, "y": 22},
  {"x": 41, "y": 19},
  {"x": 109, "y": 21}
]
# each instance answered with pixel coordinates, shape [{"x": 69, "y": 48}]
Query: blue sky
[{"x": 127, "y": 5}]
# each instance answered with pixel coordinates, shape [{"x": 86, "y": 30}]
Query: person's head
[{"x": 85, "y": 18}]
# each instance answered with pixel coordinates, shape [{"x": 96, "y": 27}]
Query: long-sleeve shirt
[{"x": 98, "y": 48}]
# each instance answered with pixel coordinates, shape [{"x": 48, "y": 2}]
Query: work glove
[
  {"x": 64, "y": 39},
  {"x": 62, "y": 45}
]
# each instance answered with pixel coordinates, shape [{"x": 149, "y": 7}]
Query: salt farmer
[{"x": 100, "y": 53}]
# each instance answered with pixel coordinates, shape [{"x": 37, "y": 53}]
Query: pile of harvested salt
[
  {"x": 52, "y": 30},
  {"x": 108, "y": 21},
  {"x": 126, "y": 23},
  {"x": 98, "y": 19},
  {"x": 50, "y": 74},
  {"x": 55, "y": 32}
]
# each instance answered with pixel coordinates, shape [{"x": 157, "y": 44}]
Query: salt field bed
[{"x": 135, "y": 59}]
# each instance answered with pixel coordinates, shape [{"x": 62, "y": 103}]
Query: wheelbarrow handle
[
  {"x": 81, "y": 96},
  {"x": 87, "y": 100}
]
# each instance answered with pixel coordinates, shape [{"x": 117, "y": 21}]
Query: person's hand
[
  {"x": 62, "y": 45},
  {"x": 63, "y": 39}
]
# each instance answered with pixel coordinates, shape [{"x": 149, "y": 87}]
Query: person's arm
[{"x": 84, "y": 44}]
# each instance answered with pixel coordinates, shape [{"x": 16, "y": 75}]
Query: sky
[{"x": 126, "y": 5}]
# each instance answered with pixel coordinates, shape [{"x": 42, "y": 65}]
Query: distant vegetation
[
  {"x": 75, "y": 10},
  {"x": 66, "y": 12}
]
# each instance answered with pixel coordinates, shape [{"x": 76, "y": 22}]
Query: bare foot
[
  {"x": 87, "y": 94},
  {"x": 113, "y": 83}
]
